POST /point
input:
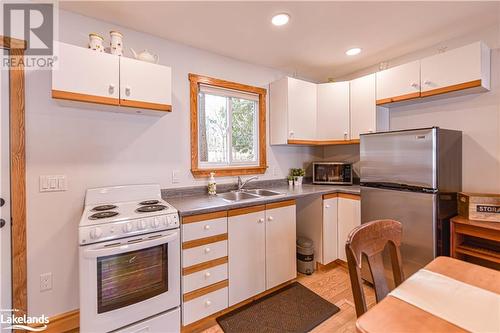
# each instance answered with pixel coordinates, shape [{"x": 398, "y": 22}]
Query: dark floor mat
[{"x": 291, "y": 309}]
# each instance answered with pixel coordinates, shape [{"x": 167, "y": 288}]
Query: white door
[
  {"x": 247, "y": 256},
  {"x": 349, "y": 217},
  {"x": 281, "y": 262},
  {"x": 302, "y": 98},
  {"x": 145, "y": 82},
  {"x": 330, "y": 245},
  {"x": 333, "y": 111},
  {"x": 86, "y": 75},
  {"x": 398, "y": 83},
  {"x": 457, "y": 66},
  {"x": 363, "y": 106},
  {"x": 5, "y": 254}
]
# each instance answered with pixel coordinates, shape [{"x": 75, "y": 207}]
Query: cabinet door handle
[
  {"x": 427, "y": 82},
  {"x": 207, "y": 227},
  {"x": 208, "y": 303},
  {"x": 327, "y": 206},
  {"x": 207, "y": 250},
  {"x": 127, "y": 91},
  {"x": 291, "y": 133},
  {"x": 111, "y": 89},
  {"x": 261, "y": 220},
  {"x": 370, "y": 130},
  {"x": 270, "y": 218},
  {"x": 345, "y": 135},
  {"x": 414, "y": 85},
  {"x": 207, "y": 275}
]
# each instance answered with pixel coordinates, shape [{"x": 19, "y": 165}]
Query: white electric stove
[{"x": 129, "y": 261}]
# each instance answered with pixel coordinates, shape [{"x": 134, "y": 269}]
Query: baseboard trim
[{"x": 64, "y": 322}]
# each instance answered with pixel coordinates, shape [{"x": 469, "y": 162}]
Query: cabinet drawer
[
  {"x": 204, "y": 253},
  {"x": 204, "y": 278},
  {"x": 204, "y": 229},
  {"x": 204, "y": 306}
]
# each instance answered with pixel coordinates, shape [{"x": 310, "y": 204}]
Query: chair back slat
[{"x": 369, "y": 241}]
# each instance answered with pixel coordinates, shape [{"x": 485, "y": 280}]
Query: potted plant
[
  {"x": 298, "y": 175},
  {"x": 290, "y": 180}
]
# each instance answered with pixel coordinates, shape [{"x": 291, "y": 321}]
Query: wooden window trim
[
  {"x": 195, "y": 81},
  {"x": 16, "y": 48}
]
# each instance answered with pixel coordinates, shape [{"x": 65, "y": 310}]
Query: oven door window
[{"x": 128, "y": 278}]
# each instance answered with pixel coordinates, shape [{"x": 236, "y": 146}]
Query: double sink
[{"x": 247, "y": 194}]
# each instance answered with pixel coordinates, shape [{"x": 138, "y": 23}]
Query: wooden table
[{"x": 395, "y": 315}]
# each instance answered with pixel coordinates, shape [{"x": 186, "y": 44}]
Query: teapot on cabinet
[{"x": 145, "y": 56}]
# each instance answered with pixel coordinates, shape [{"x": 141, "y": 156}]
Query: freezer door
[
  {"x": 416, "y": 212},
  {"x": 401, "y": 157}
]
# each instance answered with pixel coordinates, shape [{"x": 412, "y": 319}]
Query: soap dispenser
[{"x": 212, "y": 186}]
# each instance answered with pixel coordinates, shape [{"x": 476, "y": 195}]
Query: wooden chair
[{"x": 369, "y": 240}]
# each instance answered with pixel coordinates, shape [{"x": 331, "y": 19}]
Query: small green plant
[
  {"x": 298, "y": 172},
  {"x": 289, "y": 178}
]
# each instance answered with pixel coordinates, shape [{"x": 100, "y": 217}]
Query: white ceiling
[{"x": 314, "y": 42}]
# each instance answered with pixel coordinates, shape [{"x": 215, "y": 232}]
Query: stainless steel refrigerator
[{"x": 412, "y": 176}]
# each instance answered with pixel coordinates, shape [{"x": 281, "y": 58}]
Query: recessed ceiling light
[
  {"x": 280, "y": 19},
  {"x": 353, "y": 51}
]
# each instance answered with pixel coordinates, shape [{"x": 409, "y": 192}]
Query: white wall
[{"x": 98, "y": 148}]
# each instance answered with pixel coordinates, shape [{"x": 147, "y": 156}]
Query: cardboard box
[{"x": 479, "y": 206}]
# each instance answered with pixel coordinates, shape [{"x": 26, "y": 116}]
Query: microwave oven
[{"x": 334, "y": 173}]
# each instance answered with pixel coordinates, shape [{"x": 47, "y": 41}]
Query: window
[{"x": 227, "y": 127}]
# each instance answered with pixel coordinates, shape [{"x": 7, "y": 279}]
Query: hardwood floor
[{"x": 331, "y": 283}]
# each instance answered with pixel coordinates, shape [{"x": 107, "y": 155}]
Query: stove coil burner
[
  {"x": 150, "y": 208},
  {"x": 102, "y": 215},
  {"x": 149, "y": 202},
  {"x": 103, "y": 208}
]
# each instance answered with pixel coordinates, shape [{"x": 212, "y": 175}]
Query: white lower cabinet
[
  {"x": 204, "y": 306},
  {"x": 348, "y": 218},
  {"x": 281, "y": 263},
  {"x": 330, "y": 227},
  {"x": 247, "y": 253}
]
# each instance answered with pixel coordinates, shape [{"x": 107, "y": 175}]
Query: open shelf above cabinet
[{"x": 84, "y": 75}]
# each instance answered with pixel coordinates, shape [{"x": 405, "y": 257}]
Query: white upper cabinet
[
  {"x": 292, "y": 110},
  {"x": 86, "y": 75},
  {"x": 333, "y": 111},
  {"x": 363, "y": 115},
  {"x": 143, "y": 84},
  {"x": 457, "y": 69},
  {"x": 398, "y": 83}
]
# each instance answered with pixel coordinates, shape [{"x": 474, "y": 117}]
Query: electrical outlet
[
  {"x": 45, "y": 281},
  {"x": 175, "y": 176},
  {"x": 53, "y": 183}
]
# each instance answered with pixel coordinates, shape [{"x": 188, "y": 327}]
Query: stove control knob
[
  {"x": 127, "y": 227},
  {"x": 141, "y": 224},
  {"x": 156, "y": 222},
  {"x": 95, "y": 233}
]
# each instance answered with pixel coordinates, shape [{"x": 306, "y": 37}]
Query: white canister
[
  {"x": 116, "y": 43},
  {"x": 96, "y": 42}
]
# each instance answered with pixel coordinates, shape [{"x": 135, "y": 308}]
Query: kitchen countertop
[{"x": 204, "y": 203}]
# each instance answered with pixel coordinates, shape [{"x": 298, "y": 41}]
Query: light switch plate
[
  {"x": 53, "y": 183},
  {"x": 175, "y": 177}
]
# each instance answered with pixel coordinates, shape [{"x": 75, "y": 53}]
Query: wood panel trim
[
  {"x": 194, "y": 81},
  {"x": 12, "y": 43},
  {"x": 280, "y": 204},
  {"x": 236, "y": 171},
  {"x": 71, "y": 96},
  {"x": 246, "y": 210},
  {"x": 145, "y": 105},
  {"x": 203, "y": 241},
  {"x": 330, "y": 196},
  {"x": 18, "y": 182},
  {"x": 205, "y": 290},
  {"x": 455, "y": 87},
  {"x": 209, "y": 321},
  {"x": 349, "y": 196},
  {"x": 64, "y": 322},
  {"x": 399, "y": 98},
  {"x": 204, "y": 217},
  {"x": 204, "y": 265},
  {"x": 322, "y": 142}
]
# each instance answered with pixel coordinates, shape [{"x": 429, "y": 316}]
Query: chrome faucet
[{"x": 241, "y": 183}]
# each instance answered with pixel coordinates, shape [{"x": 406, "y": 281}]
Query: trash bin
[{"x": 305, "y": 255}]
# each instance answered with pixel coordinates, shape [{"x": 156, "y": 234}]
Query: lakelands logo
[
  {"x": 35, "y": 24},
  {"x": 12, "y": 319}
]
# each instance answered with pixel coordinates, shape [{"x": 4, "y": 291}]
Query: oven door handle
[{"x": 123, "y": 248}]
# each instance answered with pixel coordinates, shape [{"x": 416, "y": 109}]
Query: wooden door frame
[{"x": 16, "y": 48}]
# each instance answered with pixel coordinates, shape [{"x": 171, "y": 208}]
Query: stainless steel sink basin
[
  {"x": 263, "y": 192},
  {"x": 237, "y": 196}
]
